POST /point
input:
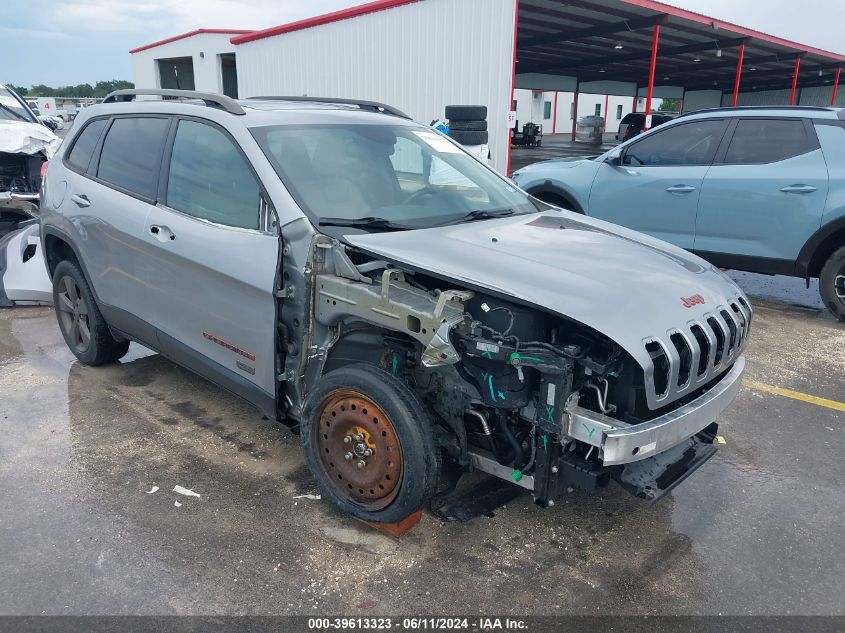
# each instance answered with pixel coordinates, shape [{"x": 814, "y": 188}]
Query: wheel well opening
[
  {"x": 824, "y": 251},
  {"x": 557, "y": 198},
  {"x": 57, "y": 250}
]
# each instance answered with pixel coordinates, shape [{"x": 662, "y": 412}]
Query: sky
[{"x": 68, "y": 42}]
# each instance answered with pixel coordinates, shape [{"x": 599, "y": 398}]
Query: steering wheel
[{"x": 424, "y": 196}]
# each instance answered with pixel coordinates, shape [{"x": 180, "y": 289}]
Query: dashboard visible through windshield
[{"x": 385, "y": 176}]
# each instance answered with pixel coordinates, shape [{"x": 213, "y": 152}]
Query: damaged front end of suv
[
  {"x": 551, "y": 351},
  {"x": 25, "y": 147}
]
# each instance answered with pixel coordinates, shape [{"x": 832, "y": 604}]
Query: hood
[
  {"x": 22, "y": 137},
  {"x": 626, "y": 285}
]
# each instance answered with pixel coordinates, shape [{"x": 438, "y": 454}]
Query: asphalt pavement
[{"x": 90, "y": 522}]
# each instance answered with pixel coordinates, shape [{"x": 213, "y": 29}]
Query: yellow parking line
[{"x": 795, "y": 395}]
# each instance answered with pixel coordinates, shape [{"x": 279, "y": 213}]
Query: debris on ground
[{"x": 185, "y": 491}]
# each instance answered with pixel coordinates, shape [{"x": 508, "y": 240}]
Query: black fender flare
[
  {"x": 818, "y": 245},
  {"x": 550, "y": 187}
]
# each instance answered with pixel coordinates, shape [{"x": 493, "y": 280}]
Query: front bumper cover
[{"x": 621, "y": 443}]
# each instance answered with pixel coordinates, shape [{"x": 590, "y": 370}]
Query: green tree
[
  {"x": 20, "y": 90},
  {"x": 670, "y": 105}
]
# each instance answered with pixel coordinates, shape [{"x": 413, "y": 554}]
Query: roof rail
[
  {"x": 760, "y": 107},
  {"x": 212, "y": 100},
  {"x": 363, "y": 105}
]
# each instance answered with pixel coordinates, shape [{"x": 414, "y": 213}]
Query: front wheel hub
[{"x": 358, "y": 449}]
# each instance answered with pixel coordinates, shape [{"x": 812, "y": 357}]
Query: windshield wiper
[
  {"x": 482, "y": 214},
  {"x": 368, "y": 222}
]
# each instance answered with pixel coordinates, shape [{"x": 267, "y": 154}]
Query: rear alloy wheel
[
  {"x": 80, "y": 321},
  {"x": 73, "y": 315},
  {"x": 369, "y": 444},
  {"x": 832, "y": 283}
]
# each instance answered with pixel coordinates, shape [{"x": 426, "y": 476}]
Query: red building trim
[
  {"x": 326, "y": 18},
  {"x": 190, "y": 34},
  {"x": 655, "y": 37},
  {"x": 735, "y": 95},
  {"x": 794, "y": 81}
]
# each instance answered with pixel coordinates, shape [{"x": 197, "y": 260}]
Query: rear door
[
  {"x": 764, "y": 195},
  {"x": 116, "y": 163},
  {"x": 213, "y": 254},
  {"x": 656, "y": 188}
]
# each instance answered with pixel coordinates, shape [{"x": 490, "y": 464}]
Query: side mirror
[{"x": 615, "y": 158}]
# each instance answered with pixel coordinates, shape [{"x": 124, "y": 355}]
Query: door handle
[
  {"x": 680, "y": 189},
  {"x": 798, "y": 189},
  {"x": 80, "y": 200},
  {"x": 162, "y": 233}
]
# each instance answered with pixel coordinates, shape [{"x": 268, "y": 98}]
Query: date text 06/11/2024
[{"x": 502, "y": 625}]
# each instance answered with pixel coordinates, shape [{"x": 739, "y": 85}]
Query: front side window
[
  {"x": 85, "y": 144},
  {"x": 757, "y": 141},
  {"x": 209, "y": 178},
  {"x": 407, "y": 176},
  {"x": 131, "y": 154},
  {"x": 691, "y": 143}
]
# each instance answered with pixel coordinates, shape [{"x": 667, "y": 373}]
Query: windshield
[
  {"x": 11, "y": 109},
  {"x": 384, "y": 177}
]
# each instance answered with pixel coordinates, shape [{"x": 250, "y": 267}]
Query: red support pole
[
  {"x": 794, "y": 81},
  {"x": 574, "y": 112},
  {"x": 738, "y": 74},
  {"x": 654, "y": 37},
  {"x": 835, "y": 85},
  {"x": 554, "y": 116},
  {"x": 606, "y": 99},
  {"x": 513, "y": 85}
]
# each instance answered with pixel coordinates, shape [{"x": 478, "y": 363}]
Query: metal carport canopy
[{"x": 564, "y": 45}]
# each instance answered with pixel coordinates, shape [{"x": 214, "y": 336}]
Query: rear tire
[
  {"x": 832, "y": 283},
  {"x": 360, "y": 414},
  {"x": 80, "y": 321}
]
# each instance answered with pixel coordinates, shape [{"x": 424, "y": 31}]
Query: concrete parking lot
[{"x": 757, "y": 530}]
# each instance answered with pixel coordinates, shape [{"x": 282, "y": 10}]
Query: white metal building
[
  {"x": 593, "y": 56},
  {"x": 201, "y": 60}
]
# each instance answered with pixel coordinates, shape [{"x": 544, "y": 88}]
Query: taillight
[{"x": 42, "y": 191}]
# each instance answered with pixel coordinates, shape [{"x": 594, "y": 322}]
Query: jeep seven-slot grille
[{"x": 692, "y": 356}]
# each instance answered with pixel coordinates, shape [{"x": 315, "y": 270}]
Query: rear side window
[
  {"x": 758, "y": 141},
  {"x": 131, "y": 154},
  {"x": 210, "y": 179},
  {"x": 691, "y": 143},
  {"x": 86, "y": 143}
]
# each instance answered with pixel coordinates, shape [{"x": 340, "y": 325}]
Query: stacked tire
[{"x": 467, "y": 124}]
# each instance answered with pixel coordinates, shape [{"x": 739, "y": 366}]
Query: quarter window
[
  {"x": 758, "y": 141},
  {"x": 210, "y": 179},
  {"x": 691, "y": 143},
  {"x": 132, "y": 154},
  {"x": 86, "y": 143}
]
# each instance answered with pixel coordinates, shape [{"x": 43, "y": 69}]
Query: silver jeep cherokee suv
[{"x": 361, "y": 278}]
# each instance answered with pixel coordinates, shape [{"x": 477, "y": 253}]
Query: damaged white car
[{"x": 25, "y": 147}]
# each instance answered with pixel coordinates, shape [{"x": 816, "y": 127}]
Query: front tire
[
  {"x": 369, "y": 443},
  {"x": 80, "y": 321},
  {"x": 832, "y": 283}
]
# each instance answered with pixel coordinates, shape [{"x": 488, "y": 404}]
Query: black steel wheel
[{"x": 80, "y": 321}]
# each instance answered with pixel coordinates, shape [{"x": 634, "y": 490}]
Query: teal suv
[{"x": 756, "y": 189}]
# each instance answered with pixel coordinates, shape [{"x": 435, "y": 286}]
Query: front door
[
  {"x": 656, "y": 187},
  {"x": 214, "y": 256},
  {"x": 763, "y": 196}
]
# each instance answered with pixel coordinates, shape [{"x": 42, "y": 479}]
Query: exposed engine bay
[
  {"x": 508, "y": 382},
  {"x": 20, "y": 185}
]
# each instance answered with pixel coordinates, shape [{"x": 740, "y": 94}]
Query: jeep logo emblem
[{"x": 692, "y": 301}]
